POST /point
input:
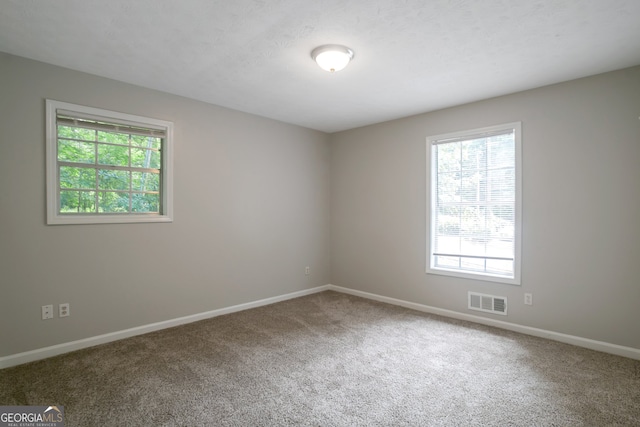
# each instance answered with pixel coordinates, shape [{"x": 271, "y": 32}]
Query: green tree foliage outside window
[{"x": 108, "y": 171}]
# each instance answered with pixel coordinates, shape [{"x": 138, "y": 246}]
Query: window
[
  {"x": 475, "y": 204},
  {"x": 107, "y": 167}
]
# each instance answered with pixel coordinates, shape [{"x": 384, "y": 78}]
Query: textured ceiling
[{"x": 411, "y": 56}]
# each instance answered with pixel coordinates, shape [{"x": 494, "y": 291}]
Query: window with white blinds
[
  {"x": 475, "y": 203},
  {"x": 107, "y": 167}
]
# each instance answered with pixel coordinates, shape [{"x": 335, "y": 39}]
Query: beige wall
[
  {"x": 251, "y": 200},
  {"x": 257, "y": 200},
  {"x": 581, "y": 208}
]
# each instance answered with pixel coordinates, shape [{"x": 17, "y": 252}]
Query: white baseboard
[
  {"x": 43, "y": 353},
  {"x": 630, "y": 352},
  {"x": 54, "y": 350}
]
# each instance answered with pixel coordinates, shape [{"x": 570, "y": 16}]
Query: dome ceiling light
[{"x": 332, "y": 57}]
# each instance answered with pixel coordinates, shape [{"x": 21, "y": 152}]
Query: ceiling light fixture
[{"x": 332, "y": 57}]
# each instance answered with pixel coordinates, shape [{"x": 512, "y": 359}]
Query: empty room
[{"x": 331, "y": 213}]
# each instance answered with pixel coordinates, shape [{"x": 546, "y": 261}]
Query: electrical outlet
[
  {"x": 528, "y": 299},
  {"x": 64, "y": 310},
  {"x": 47, "y": 312},
  {"x": 307, "y": 271}
]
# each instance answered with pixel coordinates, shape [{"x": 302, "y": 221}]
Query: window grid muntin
[
  {"x": 502, "y": 203},
  {"x": 468, "y": 175},
  {"x": 97, "y": 166}
]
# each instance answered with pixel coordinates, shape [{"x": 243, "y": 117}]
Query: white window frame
[
  {"x": 432, "y": 207},
  {"x": 54, "y": 217}
]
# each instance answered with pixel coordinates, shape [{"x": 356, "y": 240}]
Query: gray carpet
[{"x": 332, "y": 359}]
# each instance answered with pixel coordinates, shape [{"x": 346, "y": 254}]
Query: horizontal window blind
[
  {"x": 109, "y": 127},
  {"x": 474, "y": 202}
]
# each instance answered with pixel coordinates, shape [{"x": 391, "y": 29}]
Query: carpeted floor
[{"x": 332, "y": 359}]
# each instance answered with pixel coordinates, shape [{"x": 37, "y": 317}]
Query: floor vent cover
[{"x": 488, "y": 303}]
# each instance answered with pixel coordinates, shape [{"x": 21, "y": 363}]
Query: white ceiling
[{"x": 411, "y": 56}]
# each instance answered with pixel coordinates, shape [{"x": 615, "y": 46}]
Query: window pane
[
  {"x": 77, "y": 201},
  {"x": 448, "y": 157},
  {"x": 501, "y": 185},
  {"x": 500, "y": 248},
  {"x": 474, "y": 264},
  {"x": 473, "y": 186},
  {"x": 113, "y": 180},
  {"x": 474, "y": 154},
  {"x": 473, "y": 224},
  {"x": 145, "y": 202},
  {"x": 76, "y": 133},
  {"x": 145, "y": 181},
  {"x": 140, "y": 158},
  {"x": 448, "y": 245},
  {"x": 113, "y": 155},
  {"x": 146, "y": 141},
  {"x": 472, "y": 246},
  {"x": 500, "y": 267},
  {"x": 139, "y": 140},
  {"x": 504, "y": 221},
  {"x": 155, "y": 160},
  {"x": 71, "y": 177},
  {"x": 76, "y": 151},
  {"x": 448, "y": 261},
  {"x": 449, "y": 187},
  {"x": 113, "y": 138},
  {"x": 112, "y": 202},
  {"x": 501, "y": 151},
  {"x": 448, "y": 220}
]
